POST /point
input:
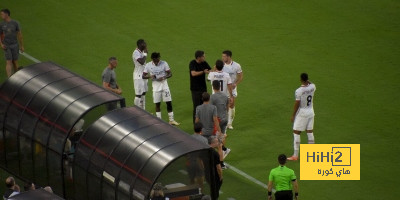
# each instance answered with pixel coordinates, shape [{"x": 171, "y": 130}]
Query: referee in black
[
  {"x": 198, "y": 68},
  {"x": 284, "y": 179}
]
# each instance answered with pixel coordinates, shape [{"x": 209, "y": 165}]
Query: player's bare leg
[
  {"x": 158, "y": 110},
  {"x": 137, "y": 100},
  {"x": 225, "y": 150},
  {"x": 9, "y": 68},
  {"x": 171, "y": 114},
  {"x": 220, "y": 151},
  {"x": 310, "y": 136},
  {"x": 143, "y": 101},
  {"x": 140, "y": 100},
  {"x": 15, "y": 65},
  {"x": 296, "y": 145},
  {"x": 231, "y": 113}
]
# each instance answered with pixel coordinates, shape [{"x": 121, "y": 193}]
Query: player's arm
[
  {"x": 21, "y": 41},
  {"x": 219, "y": 170},
  {"x": 209, "y": 77},
  {"x": 193, "y": 71},
  {"x": 106, "y": 86},
  {"x": 296, "y": 188},
  {"x": 197, "y": 73},
  {"x": 146, "y": 75},
  {"x": 169, "y": 74},
  {"x": 230, "y": 88},
  {"x": 239, "y": 78},
  {"x": 216, "y": 124},
  {"x": 197, "y": 116},
  {"x": 216, "y": 121},
  {"x": 228, "y": 101},
  {"x": 1, "y": 39},
  {"x": 270, "y": 189},
  {"x": 295, "y": 109},
  {"x": 139, "y": 58},
  {"x": 142, "y": 60}
]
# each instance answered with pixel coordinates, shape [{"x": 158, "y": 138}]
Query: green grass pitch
[{"x": 351, "y": 50}]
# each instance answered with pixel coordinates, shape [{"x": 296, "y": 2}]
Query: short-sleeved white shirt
[
  {"x": 159, "y": 71},
  {"x": 305, "y": 94},
  {"x": 138, "y": 71},
  {"x": 233, "y": 69},
  {"x": 223, "y": 78}
]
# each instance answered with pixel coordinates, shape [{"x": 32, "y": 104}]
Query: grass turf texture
[{"x": 350, "y": 50}]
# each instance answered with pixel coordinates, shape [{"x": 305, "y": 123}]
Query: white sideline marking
[
  {"x": 250, "y": 178},
  {"x": 29, "y": 57}
]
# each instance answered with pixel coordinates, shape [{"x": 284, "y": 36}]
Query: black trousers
[
  {"x": 284, "y": 195},
  {"x": 218, "y": 184},
  {"x": 196, "y": 99}
]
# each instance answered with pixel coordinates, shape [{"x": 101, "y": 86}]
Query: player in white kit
[
  {"x": 159, "y": 71},
  {"x": 139, "y": 59},
  {"x": 235, "y": 72},
  {"x": 222, "y": 77},
  {"x": 303, "y": 114}
]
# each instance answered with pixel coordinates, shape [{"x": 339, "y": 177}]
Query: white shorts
[
  {"x": 303, "y": 123},
  {"x": 140, "y": 86},
  {"x": 164, "y": 95}
]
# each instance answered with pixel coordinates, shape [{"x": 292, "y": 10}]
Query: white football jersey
[
  {"x": 223, "y": 78},
  {"x": 305, "y": 94},
  {"x": 138, "y": 71},
  {"x": 159, "y": 71},
  {"x": 232, "y": 69}
]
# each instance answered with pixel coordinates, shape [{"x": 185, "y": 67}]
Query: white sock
[
  {"x": 137, "y": 101},
  {"x": 230, "y": 116},
  {"x": 158, "y": 114},
  {"x": 296, "y": 144},
  {"x": 310, "y": 138},
  {"x": 171, "y": 116},
  {"x": 143, "y": 102}
]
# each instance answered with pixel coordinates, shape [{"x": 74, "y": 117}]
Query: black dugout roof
[
  {"x": 127, "y": 149},
  {"x": 39, "y": 106}
]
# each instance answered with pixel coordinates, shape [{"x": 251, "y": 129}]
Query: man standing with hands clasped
[
  {"x": 110, "y": 78},
  {"x": 10, "y": 32}
]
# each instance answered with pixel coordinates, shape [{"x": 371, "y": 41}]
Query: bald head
[{"x": 10, "y": 182}]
